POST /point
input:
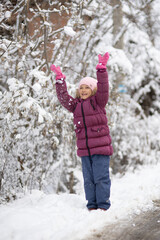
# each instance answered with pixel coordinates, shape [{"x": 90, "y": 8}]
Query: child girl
[{"x": 92, "y": 132}]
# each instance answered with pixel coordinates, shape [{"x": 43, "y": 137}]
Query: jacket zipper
[
  {"x": 85, "y": 130},
  {"x": 91, "y": 102}
]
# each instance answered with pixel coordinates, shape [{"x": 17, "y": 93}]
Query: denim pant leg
[
  {"x": 89, "y": 186},
  {"x": 102, "y": 181}
]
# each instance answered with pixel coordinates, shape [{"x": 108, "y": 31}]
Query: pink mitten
[
  {"x": 102, "y": 61},
  {"x": 58, "y": 72}
]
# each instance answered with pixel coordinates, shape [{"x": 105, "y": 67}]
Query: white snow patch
[
  {"x": 37, "y": 87},
  {"x": 87, "y": 12},
  {"x": 69, "y": 31},
  {"x": 7, "y": 14}
]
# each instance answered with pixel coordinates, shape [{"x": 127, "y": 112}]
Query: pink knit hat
[{"x": 90, "y": 82}]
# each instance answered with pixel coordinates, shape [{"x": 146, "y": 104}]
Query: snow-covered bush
[
  {"x": 144, "y": 84},
  {"x": 33, "y": 141},
  {"x": 136, "y": 138}
]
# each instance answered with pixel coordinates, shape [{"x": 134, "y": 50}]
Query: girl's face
[{"x": 85, "y": 91}]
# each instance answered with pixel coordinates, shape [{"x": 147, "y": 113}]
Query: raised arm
[
  {"x": 102, "y": 94},
  {"x": 65, "y": 99}
]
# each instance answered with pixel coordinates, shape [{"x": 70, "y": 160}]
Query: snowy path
[
  {"x": 145, "y": 226},
  {"x": 38, "y": 216}
]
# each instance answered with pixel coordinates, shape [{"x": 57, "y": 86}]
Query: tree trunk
[
  {"x": 117, "y": 23},
  {"x": 149, "y": 22}
]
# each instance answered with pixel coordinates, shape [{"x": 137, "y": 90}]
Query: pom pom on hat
[{"x": 90, "y": 82}]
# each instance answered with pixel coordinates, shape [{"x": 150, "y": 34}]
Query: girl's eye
[{"x": 81, "y": 88}]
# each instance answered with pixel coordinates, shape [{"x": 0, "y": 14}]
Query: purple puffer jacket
[{"x": 90, "y": 119}]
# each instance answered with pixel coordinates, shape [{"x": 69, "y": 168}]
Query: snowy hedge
[{"x": 33, "y": 150}]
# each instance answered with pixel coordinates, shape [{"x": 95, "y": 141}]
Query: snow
[
  {"x": 7, "y": 14},
  {"x": 40, "y": 216},
  {"x": 69, "y": 31},
  {"x": 37, "y": 87},
  {"x": 40, "y": 75},
  {"x": 87, "y": 12}
]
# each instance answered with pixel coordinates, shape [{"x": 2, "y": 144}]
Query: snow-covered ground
[{"x": 38, "y": 216}]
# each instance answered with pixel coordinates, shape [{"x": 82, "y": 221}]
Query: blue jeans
[{"x": 96, "y": 180}]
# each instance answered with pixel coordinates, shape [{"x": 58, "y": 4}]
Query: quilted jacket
[{"x": 90, "y": 120}]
